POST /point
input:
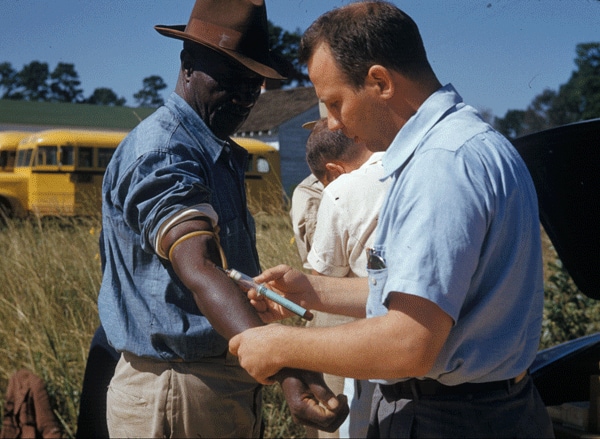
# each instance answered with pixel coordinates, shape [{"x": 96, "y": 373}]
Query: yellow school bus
[
  {"x": 58, "y": 172},
  {"x": 8, "y": 148},
  {"x": 263, "y": 175}
]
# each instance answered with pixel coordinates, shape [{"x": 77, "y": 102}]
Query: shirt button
[{"x": 373, "y": 280}]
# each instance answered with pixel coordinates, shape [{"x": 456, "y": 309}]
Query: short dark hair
[
  {"x": 325, "y": 146},
  {"x": 363, "y": 34}
]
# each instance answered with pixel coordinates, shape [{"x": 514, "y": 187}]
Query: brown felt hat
[
  {"x": 322, "y": 114},
  {"x": 237, "y": 28}
]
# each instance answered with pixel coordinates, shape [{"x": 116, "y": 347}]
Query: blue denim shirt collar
[{"x": 195, "y": 126}]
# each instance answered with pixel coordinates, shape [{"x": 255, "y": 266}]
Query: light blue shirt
[
  {"x": 169, "y": 162},
  {"x": 460, "y": 228}
]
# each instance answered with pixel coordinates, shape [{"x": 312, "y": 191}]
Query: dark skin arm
[{"x": 229, "y": 311}]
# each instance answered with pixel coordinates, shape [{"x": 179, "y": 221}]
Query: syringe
[{"x": 247, "y": 282}]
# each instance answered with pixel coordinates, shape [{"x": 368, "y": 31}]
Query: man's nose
[
  {"x": 333, "y": 124},
  {"x": 246, "y": 95}
]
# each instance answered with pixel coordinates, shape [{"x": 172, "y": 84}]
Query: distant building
[{"x": 277, "y": 120}]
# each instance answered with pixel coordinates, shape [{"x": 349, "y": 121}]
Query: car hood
[{"x": 564, "y": 163}]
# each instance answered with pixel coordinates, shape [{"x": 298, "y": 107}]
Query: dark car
[{"x": 565, "y": 165}]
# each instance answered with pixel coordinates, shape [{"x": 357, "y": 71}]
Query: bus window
[
  {"x": 24, "y": 157},
  {"x": 104, "y": 155},
  {"x": 47, "y": 156},
  {"x": 85, "y": 157},
  {"x": 66, "y": 156},
  {"x": 4, "y": 159},
  {"x": 262, "y": 165},
  {"x": 56, "y": 186}
]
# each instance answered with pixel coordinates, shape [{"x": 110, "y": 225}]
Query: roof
[{"x": 275, "y": 107}]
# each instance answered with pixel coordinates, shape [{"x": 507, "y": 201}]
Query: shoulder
[{"x": 455, "y": 130}]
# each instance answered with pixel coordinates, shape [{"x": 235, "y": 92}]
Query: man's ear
[
  {"x": 334, "y": 170},
  {"x": 380, "y": 79},
  {"x": 186, "y": 62}
]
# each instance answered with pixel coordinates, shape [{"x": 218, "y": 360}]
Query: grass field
[
  {"x": 50, "y": 276},
  {"x": 70, "y": 115}
]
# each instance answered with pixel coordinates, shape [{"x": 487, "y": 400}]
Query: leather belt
[{"x": 416, "y": 389}]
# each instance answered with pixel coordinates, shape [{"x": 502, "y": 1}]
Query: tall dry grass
[
  {"x": 49, "y": 281},
  {"x": 49, "y": 278}
]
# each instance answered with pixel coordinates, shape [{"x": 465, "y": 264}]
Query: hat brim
[
  {"x": 309, "y": 125},
  {"x": 178, "y": 32}
]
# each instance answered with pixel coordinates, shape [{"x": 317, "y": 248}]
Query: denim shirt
[{"x": 169, "y": 162}]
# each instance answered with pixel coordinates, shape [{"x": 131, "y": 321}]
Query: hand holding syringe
[{"x": 247, "y": 282}]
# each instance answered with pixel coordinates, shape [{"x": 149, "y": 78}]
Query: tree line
[
  {"x": 35, "y": 81},
  {"x": 578, "y": 99}
]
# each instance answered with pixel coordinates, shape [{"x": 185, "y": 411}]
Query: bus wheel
[{"x": 6, "y": 211}]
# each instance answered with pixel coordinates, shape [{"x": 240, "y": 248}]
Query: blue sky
[{"x": 499, "y": 54}]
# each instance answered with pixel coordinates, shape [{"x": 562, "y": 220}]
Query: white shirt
[{"x": 346, "y": 220}]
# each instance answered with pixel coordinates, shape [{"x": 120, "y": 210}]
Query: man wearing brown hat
[{"x": 174, "y": 211}]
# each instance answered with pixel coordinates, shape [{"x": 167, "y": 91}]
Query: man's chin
[{"x": 226, "y": 128}]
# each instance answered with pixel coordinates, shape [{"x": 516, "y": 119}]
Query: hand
[
  {"x": 288, "y": 282},
  {"x": 257, "y": 352},
  {"x": 311, "y": 402}
]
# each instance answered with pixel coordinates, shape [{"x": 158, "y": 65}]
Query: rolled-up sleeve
[{"x": 156, "y": 187}]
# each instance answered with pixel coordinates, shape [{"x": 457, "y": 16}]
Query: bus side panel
[
  {"x": 264, "y": 189},
  {"x": 51, "y": 193}
]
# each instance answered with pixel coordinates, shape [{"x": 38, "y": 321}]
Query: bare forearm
[
  {"x": 405, "y": 342},
  {"x": 345, "y": 296},
  {"x": 193, "y": 253},
  {"x": 224, "y": 305},
  {"x": 362, "y": 349}
]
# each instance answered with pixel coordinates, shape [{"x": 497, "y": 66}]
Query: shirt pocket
[{"x": 377, "y": 278}]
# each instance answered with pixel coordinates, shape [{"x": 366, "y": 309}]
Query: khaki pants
[{"x": 214, "y": 397}]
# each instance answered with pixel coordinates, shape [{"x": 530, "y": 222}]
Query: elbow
[
  {"x": 422, "y": 366},
  {"x": 415, "y": 354},
  {"x": 418, "y": 363}
]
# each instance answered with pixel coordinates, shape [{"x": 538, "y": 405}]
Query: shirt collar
[
  {"x": 412, "y": 133},
  {"x": 373, "y": 158},
  {"x": 196, "y": 127}
]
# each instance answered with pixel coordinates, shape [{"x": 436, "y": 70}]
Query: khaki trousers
[{"x": 214, "y": 397}]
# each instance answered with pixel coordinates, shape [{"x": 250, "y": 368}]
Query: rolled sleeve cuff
[
  {"x": 317, "y": 264},
  {"x": 179, "y": 217}
]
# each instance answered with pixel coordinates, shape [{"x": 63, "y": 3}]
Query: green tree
[
  {"x": 105, "y": 96},
  {"x": 33, "y": 81},
  {"x": 539, "y": 114},
  {"x": 64, "y": 83},
  {"x": 284, "y": 48},
  {"x": 149, "y": 95},
  {"x": 8, "y": 80},
  {"x": 577, "y": 99},
  {"x": 511, "y": 125}
]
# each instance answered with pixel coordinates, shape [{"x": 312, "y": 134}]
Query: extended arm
[
  {"x": 403, "y": 343},
  {"x": 229, "y": 311},
  {"x": 194, "y": 261}
]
